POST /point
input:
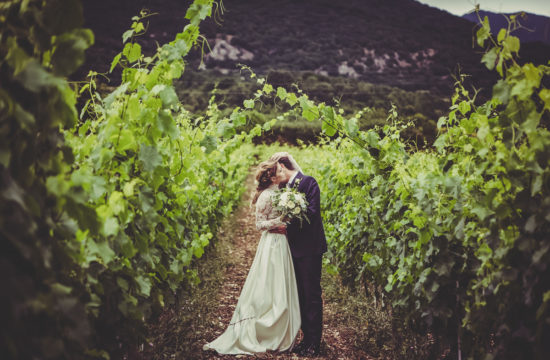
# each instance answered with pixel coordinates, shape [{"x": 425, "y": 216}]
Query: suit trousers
[{"x": 308, "y": 278}]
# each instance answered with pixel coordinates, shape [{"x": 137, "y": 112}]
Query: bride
[{"x": 267, "y": 315}]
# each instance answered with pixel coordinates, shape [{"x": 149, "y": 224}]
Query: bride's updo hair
[
  {"x": 283, "y": 158},
  {"x": 265, "y": 171}
]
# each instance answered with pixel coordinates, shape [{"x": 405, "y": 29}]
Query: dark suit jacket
[{"x": 309, "y": 239}]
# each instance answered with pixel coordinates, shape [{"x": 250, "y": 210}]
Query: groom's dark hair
[{"x": 286, "y": 162}]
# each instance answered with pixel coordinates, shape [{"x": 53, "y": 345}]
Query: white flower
[
  {"x": 296, "y": 211},
  {"x": 283, "y": 202},
  {"x": 284, "y": 197},
  {"x": 290, "y": 204}
]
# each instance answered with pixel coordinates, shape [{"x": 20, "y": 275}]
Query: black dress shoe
[
  {"x": 299, "y": 348},
  {"x": 310, "y": 351}
]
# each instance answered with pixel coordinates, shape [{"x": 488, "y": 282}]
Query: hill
[
  {"x": 361, "y": 52},
  {"x": 398, "y": 43},
  {"x": 535, "y": 27},
  {"x": 534, "y": 33}
]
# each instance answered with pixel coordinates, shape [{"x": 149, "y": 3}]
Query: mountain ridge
[
  {"x": 400, "y": 43},
  {"x": 374, "y": 53},
  {"x": 534, "y": 27}
]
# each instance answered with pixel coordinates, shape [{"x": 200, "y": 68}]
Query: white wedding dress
[{"x": 267, "y": 315}]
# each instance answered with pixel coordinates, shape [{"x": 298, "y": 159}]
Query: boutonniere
[{"x": 296, "y": 183}]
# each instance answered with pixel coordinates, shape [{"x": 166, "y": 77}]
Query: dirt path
[{"x": 238, "y": 241}]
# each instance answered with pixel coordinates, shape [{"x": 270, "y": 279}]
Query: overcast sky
[{"x": 460, "y": 7}]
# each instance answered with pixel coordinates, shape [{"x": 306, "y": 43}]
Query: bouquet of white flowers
[{"x": 290, "y": 204}]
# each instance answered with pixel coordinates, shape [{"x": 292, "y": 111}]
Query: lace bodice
[{"x": 266, "y": 217}]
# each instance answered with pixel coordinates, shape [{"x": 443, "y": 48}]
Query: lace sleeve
[{"x": 263, "y": 210}]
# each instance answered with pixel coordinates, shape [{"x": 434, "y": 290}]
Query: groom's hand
[{"x": 279, "y": 230}]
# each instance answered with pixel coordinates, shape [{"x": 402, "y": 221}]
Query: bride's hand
[{"x": 281, "y": 229}]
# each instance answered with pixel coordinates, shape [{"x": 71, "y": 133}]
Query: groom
[{"x": 307, "y": 245}]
